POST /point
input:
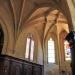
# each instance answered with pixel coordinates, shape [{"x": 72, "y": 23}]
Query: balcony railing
[{"x": 14, "y": 66}]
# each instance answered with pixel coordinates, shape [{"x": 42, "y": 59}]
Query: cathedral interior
[{"x": 32, "y": 37}]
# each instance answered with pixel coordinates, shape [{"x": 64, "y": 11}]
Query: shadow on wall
[
  {"x": 63, "y": 72},
  {"x": 51, "y": 69},
  {"x": 1, "y": 39}
]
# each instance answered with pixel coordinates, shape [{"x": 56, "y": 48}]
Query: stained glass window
[
  {"x": 51, "y": 51},
  {"x": 67, "y": 51}
]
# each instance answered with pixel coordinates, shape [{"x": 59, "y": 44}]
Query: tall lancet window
[
  {"x": 29, "y": 48},
  {"x": 67, "y": 51},
  {"x": 51, "y": 51}
]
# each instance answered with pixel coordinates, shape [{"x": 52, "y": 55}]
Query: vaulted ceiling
[{"x": 19, "y": 14}]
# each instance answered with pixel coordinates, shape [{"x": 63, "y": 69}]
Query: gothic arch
[
  {"x": 7, "y": 26},
  {"x": 71, "y": 4},
  {"x": 54, "y": 36},
  {"x": 60, "y": 7},
  {"x": 5, "y": 32},
  {"x": 62, "y": 36},
  {"x": 20, "y": 47}
]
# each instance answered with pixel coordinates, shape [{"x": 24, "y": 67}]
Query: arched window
[
  {"x": 51, "y": 51},
  {"x": 67, "y": 51},
  {"x": 29, "y": 48},
  {"x": 32, "y": 50}
]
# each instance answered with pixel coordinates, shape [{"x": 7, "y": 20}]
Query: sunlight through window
[
  {"x": 32, "y": 50},
  {"x": 51, "y": 51},
  {"x": 29, "y": 48}
]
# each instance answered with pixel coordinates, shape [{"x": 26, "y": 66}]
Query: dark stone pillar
[
  {"x": 1, "y": 40},
  {"x": 71, "y": 39}
]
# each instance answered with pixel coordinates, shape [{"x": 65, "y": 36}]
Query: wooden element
[{"x": 14, "y": 66}]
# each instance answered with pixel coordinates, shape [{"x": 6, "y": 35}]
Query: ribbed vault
[{"x": 42, "y": 15}]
